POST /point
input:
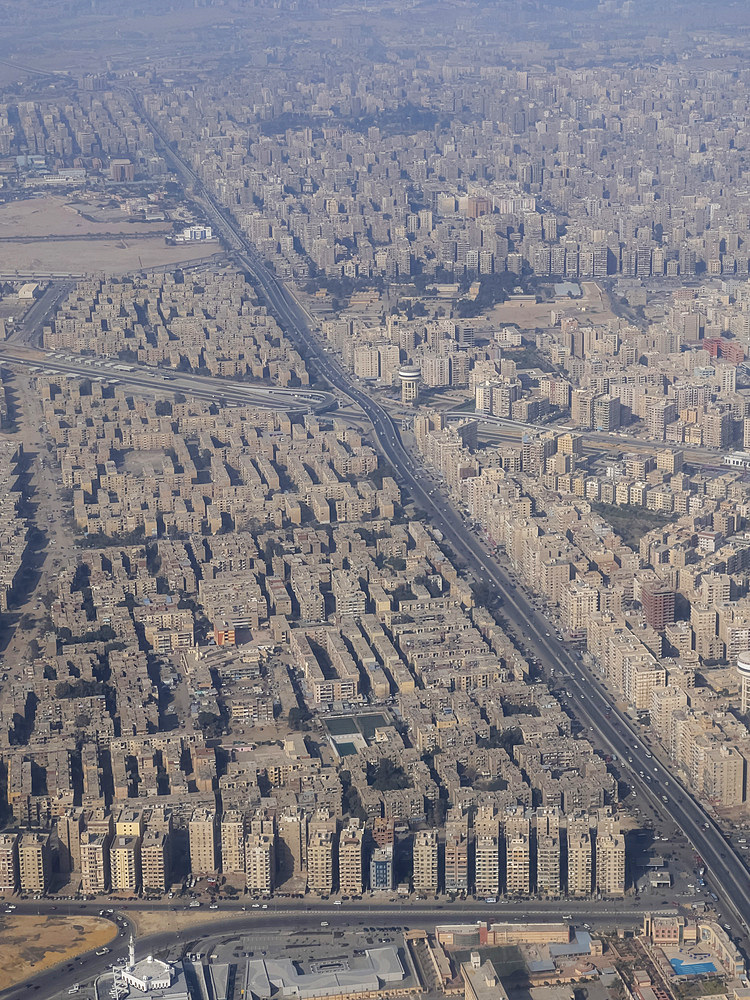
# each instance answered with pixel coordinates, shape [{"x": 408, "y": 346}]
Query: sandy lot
[
  {"x": 593, "y": 306},
  {"x": 108, "y": 256},
  {"x": 32, "y": 944},
  {"x": 59, "y": 216}
]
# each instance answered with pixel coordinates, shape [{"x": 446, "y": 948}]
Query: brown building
[{"x": 657, "y": 601}]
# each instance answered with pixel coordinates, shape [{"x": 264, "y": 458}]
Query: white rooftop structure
[
  {"x": 151, "y": 975},
  {"x": 380, "y": 968}
]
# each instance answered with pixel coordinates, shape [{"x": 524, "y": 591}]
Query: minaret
[{"x": 131, "y": 953}]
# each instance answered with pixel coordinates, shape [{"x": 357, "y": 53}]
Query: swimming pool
[{"x": 691, "y": 968}]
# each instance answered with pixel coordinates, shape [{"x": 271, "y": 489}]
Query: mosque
[{"x": 152, "y": 976}]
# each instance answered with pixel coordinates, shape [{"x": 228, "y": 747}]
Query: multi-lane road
[
  {"x": 160, "y": 381},
  {"x": 730, "y": 877},
  {"x": 607, "y": 439},
  {"x": 298, "y": 915}
]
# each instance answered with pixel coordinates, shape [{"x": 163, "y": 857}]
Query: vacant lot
[
  {"x": 116, "y": 256},
  {"x": 58, "y": 215},
  {"x": 592, "y": 307},
  {"x": 32, "y": 944}
]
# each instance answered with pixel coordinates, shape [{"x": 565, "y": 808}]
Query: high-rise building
[
  {"x": 321, "y": 853},
  {"x": 291, "y": 858},
  {"x": 350, "y": 858},
  {"x": 232, "y": 841},
  {"x": 580, "y": 865},
  {"x": 743, "y": 669},
  {"x": 95, "y": 869},
  {"x": 518, "y": 854},
  {"x": 202, "y": 836},
  {"x": 425, "y": 861},
  {"x": 610, "y": 857},
  {"x": 70, "y": 826},
  {"x": 155, "y": 867},
  {"x": 125, "y": 863},
  {"x": 486, "y": 852},
  {"x": 658, "y": 603},
  {"x": 259, "y": 861},
  {"x": 381, "y": 869},
  {"x": 9, "y": 862},
  {"x": 456, "y": 851},
  {"x": 606, "y": 415},
  {"x": 548, "y": 851},
  {"x": 34, "y": 862},
  {"x": 409, "y": 376}
]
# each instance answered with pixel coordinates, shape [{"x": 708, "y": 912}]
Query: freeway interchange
[
  {"x": 730, "y": 877},
  {"x": 590, "y": 701},
  {"x": 161, "y": 381}
]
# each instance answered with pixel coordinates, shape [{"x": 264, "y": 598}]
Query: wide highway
[
  {"x": 729, "y": 876},
  {"x": 607, "y": 439},
  {"x": 161, "y": 380},
  {"x": 292, "y": 916}
]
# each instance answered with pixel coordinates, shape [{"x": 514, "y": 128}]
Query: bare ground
[{"x": 30, "y": 944}]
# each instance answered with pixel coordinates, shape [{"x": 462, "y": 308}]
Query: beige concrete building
[
  {"x": 486, "y": 852},
  {"x": 457, "y": 851},
  {"x": 155, "y": 867},
  {"x": 9, "y": 862},
  {"x": 34, "y": 862},
  {"x": 481, "y": 981},
  {"x": 232, "y": 841},
  {"x": 321, "y": 854},
  {"x": 125, "y": 863},
  {"x": 724, "y": 770},
  {"x": 610, "y": 857},
  {"x": 350, "y": 858},
  {"x": 95, "y": 868},
  {"x": 130, "y": 823},
  {"x": 548, "y": 854},
  {"x": 203, "y": 846},
  {"x": 518, "y": 855},
  {"x": 580, "y": 862},
  {"x": 259, "y": 862},
  {"x": 425, "y": 861}
]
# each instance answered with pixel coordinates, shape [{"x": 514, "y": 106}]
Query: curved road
[{"x": 293, "y": 917}]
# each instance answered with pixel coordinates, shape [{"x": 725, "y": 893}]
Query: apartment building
[
  {"x": 232, "y": 831},
  {"x": 457, "y": 851},
  {"x": 95, "y": 864},
  {"x": 425, "y": 861},
  {"x": 486, "y": 851},
  {"x": 321, "y": 853},
  {"x": 260, "y": 862},
  {"x": 202, "y": 835},
  {"x": 350, "y": 858},
  {"x": 610, "y": 857},
  {"x": 580, "y": 861},
  {"x": 34, "y": 862},
  {"x": 292, "y": 845},
  {"x": 518, "y": 855},
  {"x": 8, "y": 862},
  {"x": 125, "y": 863},
  {"x": 155, "y": 866},
  {"x": 548, "y": 852}
]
